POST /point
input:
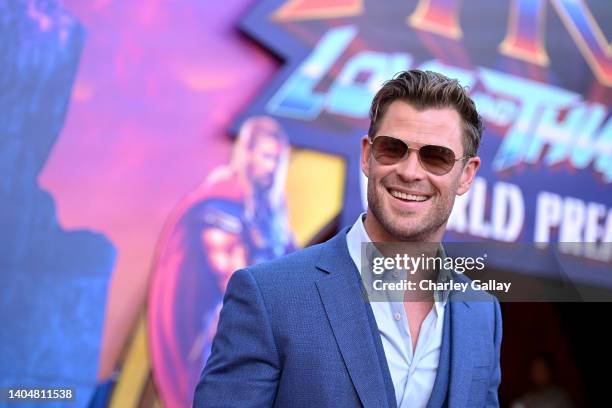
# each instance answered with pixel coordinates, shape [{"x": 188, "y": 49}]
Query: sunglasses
[{"x": 438, "y": 160}]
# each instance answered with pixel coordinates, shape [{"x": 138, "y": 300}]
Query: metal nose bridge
[
  {"x": 406, "y": 155},
  {"x": 415, "y": 149}
]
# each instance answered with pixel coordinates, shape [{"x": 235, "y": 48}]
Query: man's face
[
  {"x": 264, "y": 159},
  {"x": 421, "y": 216}
]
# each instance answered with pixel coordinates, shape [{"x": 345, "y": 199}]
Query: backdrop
[{"x": 132, "y": 187}]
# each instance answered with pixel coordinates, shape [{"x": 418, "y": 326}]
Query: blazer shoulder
[{"x": 297, "y": 265}]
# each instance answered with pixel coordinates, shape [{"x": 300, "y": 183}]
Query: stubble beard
[{"x": 417, "y": 230}]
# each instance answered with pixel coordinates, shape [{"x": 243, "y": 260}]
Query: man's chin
[
  {"x": 406, "y": 234},
  {"x": 402, "y": 230}
]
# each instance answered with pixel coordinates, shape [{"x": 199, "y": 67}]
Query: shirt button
[{"x": 397, "y": 316}]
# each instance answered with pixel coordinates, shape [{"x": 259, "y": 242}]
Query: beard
[{"x": 406, "y": 226}]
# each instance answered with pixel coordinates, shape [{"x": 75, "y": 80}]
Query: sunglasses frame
[{"x": 417, "y": 150}]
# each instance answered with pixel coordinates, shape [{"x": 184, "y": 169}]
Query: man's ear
[
  {"x": 366, "y": 149},
  {"x": 467, "y": 175}
]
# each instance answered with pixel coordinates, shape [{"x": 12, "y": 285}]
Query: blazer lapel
[
  {"x": 346, "y": 308},
  {"x": 461, "y": 354}
]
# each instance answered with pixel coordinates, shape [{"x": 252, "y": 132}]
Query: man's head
[
  {"x": 410, "y": 196},
  {"x": 265, "y": 144}
]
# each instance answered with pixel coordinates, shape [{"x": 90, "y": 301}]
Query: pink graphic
[{"x": 146, "y": 123}]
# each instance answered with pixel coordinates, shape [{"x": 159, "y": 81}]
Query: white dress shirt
[{"x": 413, "y": 371}]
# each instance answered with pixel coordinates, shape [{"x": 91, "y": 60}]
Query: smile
[{"x": 408, "y": 197}]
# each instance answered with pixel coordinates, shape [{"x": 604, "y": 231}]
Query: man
[
  {"x": 298, "y": 332},
  {"x": 236, "y": 217}
]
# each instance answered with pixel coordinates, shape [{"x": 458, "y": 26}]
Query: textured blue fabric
[{"x": 299, "y": 332}]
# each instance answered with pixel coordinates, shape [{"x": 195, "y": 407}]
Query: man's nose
[{"x": 410, "y": 168}]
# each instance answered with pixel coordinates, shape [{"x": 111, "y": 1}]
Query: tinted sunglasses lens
[
  {"x": 388, "y": 150},
  {"x": 438, "y": 160}
]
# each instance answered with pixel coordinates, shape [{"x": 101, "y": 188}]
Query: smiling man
[
  {"x": 299, "y": 332},
  {"x": 410, "y": 196}
]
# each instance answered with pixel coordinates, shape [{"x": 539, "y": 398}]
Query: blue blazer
[{"x": 299, "y": 332}]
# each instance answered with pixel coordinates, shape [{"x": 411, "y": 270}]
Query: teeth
[{"x": 408, "y": 197}]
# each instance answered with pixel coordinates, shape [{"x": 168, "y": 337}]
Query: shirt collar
[{"x": 358, "y": 235}]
